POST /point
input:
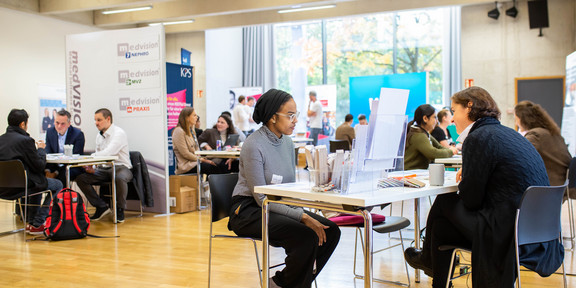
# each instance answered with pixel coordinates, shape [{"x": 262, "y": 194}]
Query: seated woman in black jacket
[{"x": 498, "y": 165}]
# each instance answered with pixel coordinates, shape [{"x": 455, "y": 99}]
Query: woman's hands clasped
[{"x": 316, "y": 226}]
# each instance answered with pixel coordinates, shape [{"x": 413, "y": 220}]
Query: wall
[
  {"x": 223, "y": 69},
  {"x": 494, "y": 52},
  {"x": 217, "y": 59},
  {"x": 195, "y": 43},
  {"x": 32, "y": 53}
]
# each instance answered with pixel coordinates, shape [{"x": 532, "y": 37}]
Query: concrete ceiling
[{"x": 211, "y": 14}]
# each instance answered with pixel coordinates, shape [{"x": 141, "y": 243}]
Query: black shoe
[
  {"x": 100, "y": 213},
  {"x": 120, "y": 215},
  {"x": 414, "y": 258}
]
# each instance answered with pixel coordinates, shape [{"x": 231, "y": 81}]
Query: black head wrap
[{"x": 268, "y": 104}]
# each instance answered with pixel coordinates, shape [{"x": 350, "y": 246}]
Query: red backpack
[{"x": 68, "y": 218}]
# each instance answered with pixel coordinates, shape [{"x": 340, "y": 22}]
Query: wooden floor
[{"x": 172, "y": 251}]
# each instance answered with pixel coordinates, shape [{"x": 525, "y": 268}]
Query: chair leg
[
  {"x": 451, "y": 270},
  {"x": 359, "y": 231},
  {"x": 210, "y": 257},
  {"x": 571, "y": 223},
  {"x": 258, "y": 263}
]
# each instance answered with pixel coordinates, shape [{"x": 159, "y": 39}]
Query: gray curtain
[
  {"x": 258, "y": 57},
  {"x": 452, "y": 54}
]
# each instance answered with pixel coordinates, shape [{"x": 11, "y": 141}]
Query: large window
[{"x": 331, "y": 51}]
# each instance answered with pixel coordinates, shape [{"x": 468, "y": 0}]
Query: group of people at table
[{"x": 498, "y": 165}]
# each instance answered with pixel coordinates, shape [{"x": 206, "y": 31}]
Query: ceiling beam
[
  {"x": 186, "y": 9},
  {"x": 68, "y": 6},
  {"x": 342, "y": 9}
]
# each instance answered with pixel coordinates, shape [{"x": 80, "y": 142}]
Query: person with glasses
[{"x": 267, "y": 157}]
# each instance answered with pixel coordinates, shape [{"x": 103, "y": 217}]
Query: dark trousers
[
  {"x": 35, "y": 214},
  {"x": 449, "y": 223},
  {"x": 123, "y": 176},
  {"x": 314, "y": 132},
  {"x": 299, "y": 241}
]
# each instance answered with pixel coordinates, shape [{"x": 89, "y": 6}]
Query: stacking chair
[
  {"x": 391, "y": 224},
  {"x": 221, "y": 188},
  {"x": 13, "y": 176},
  {"x": 538, "y": 220},
  {"x": 339, "y": 145}
]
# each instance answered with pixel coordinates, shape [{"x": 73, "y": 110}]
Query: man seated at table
[
  {"x": 62, "y": 133},
  {"x": 16, "y": 144},
  {"x": 111, "y": 141},
  {"x": 345, "y": 131}
]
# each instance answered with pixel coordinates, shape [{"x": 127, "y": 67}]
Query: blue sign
[{"x": 185, "y": 55}]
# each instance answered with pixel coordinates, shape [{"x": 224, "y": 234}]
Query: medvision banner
[
  {"x": 180, "y": 93},
  {"x": 123, "y": 70}
]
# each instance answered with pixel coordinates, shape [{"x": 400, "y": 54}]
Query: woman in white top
[{"x": 185, "y": 145}]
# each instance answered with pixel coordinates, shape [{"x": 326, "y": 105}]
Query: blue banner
[
  {"x": 185, "y": 55},
  {"x": 180, "y": 93}
]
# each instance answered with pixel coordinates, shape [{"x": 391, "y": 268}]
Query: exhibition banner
[
  {"x": 179, "y": 85},
  {"x": 569, "y": 115},
  {"x": 123, "y": 71}
]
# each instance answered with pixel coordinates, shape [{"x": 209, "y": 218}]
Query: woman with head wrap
[{"x": 267, "y": 157}]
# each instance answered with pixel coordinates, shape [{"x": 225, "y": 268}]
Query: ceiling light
[
  {"x": 172, "y": 23},
  {"x": 106, "y": 12},
  {"x": 512, "y": 12},
  {"x": 306, "y": 9},
  {"x": 494, "y": 13}
]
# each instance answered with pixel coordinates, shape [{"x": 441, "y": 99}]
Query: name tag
[{"x": 276, "y": 179}]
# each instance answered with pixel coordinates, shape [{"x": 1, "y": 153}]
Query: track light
[
  {"x": 512, "y": 12},
  {"x": 494, "y": 13},
  {"x": 106, "y": 12}
]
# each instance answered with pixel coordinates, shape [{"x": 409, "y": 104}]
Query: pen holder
[{"x": 68, "y": 150}]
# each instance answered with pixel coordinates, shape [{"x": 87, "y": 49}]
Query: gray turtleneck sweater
[{"x": 264, "y": 156}]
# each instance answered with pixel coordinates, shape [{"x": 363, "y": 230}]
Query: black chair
[
  {"x": 391, "y": 224},
  {"x": 136, "y": 186},
  {"x": 339, "y": 145},
  {"x": 221, "y": 188},
  {"x": 13, "y": 175},
  {"x": 538, "y": 220}
]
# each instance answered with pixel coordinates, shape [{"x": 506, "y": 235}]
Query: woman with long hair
[
  {"x": 421, "y": 148},
  {"x": 267, "y": 157},
  {"x": 498, "y": 164},
  {"x": 208, "y": 141},
  {"x": 540, "y": 129},
  {"x": 441, "y": 132},
  {"x": 185, "y": 145}
]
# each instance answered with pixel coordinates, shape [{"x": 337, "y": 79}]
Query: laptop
[{"x": 232, "y": 140}]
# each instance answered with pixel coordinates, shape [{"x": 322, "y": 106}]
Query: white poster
[
  {"x": 124, "y": 71},
  {"x": 569, "y": 115},
  {"x": 255, "y": 92},
  {"x": 52, "y": 98}
]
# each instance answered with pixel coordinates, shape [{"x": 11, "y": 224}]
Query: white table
[
  {"x": 454, "y": 161},
  {"x": 85, "y": 160},
  {"x": 298, "y": 194},
  {"x": 211, "y": 154}
]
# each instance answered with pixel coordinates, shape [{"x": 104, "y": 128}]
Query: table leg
[
  {"x": 265, "y": 248},
  {"x": 417, "y": 234},
  {"x": 113, "y": 182},
  {"x": 367, "y": 248},
  {"x": 200, "y": 185},
  {"x": 67, "y": 176}
]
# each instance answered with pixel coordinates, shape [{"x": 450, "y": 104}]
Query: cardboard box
[
  {"x": 184, "y": 201},
  {"x": 183, "y": 193},
  {"x": 177, "y": 181}
]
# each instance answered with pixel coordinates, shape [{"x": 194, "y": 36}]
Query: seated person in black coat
[
  {"x": 16, "y": 144},
  {"x": 498, "y": 164},
  {"x": 62, "y": 133}
]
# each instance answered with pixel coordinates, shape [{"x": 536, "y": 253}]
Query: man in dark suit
[
  {"x": 62, "y": 133},
  {"x": 16, "y": 144}
]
